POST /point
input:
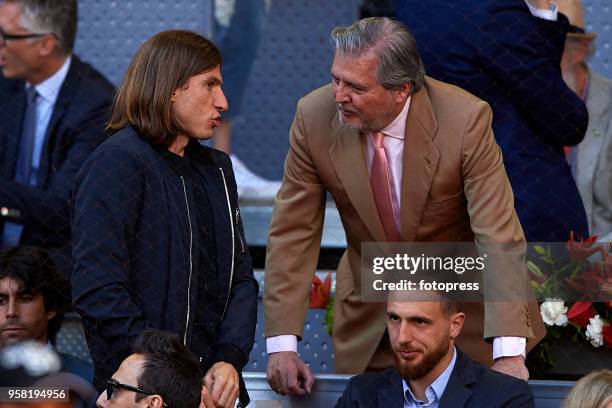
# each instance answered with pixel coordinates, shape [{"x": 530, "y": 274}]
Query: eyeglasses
[
  {"x": 112, "y": 385},
  {"x": 4, "y": 36}
]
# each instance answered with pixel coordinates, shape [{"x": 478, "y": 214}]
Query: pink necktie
[{"x": 380, "y": 179}]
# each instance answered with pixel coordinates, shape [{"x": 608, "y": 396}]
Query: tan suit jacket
[{"x": 454, "y": 188}]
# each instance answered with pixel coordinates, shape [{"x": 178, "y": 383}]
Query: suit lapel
[
  {"x": 12, "y": 110},
  {"x": 391, "y": 396},
  {"x": 456, "y": 394},
  {"x": 589, "y": 150},
  {"x": 348, "y": 157},
  {"x": 66, "y": 95},
  {"x": 420, "y": 161}
]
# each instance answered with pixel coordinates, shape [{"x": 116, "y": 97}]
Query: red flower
[
  {"x": 607, "y": 335},
  {"x": 580, "y": 313},
  {"x": 582, "y": 249},
  {"x": 320, "y": 292},
  {"x": 594, "y": 284}
]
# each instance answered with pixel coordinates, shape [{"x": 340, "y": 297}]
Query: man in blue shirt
[
  {"x": 53, "y": 111},
  {"x": 429, "y": 370}
]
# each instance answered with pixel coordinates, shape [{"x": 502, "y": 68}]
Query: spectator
[
  {"x": 53, "y": 108},
  {"x": 157, "y": 236},
  {"x": 161, "y": 372},
  {"x": 591, "y": 391},
  {"x": 238, "y": 29},
  {"x": 508, "y": 52},
  {"x": 590, "y": 160},
  {"x": 444, "y": 183},
  {"x": 33, "y": 299},
  {"x": 429, "y": 369}
]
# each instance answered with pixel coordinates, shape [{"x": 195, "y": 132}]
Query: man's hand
[
  {"x": 222, "y": 384},
  {"x": 288, "y": 374},
  {"x": 206, "y": 400},
  {"x": 514, "y": 366}
]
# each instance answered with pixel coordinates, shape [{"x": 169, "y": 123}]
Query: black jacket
[
  {"x": 134, "y": 254},
  {"x": 498, "y": 51},
  {"x": 471, "y": 385},
  {"x": 75, "y": 129}
]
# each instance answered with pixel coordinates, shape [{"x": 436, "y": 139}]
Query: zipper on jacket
[
  {"x": 238, "y": 230},
  {"x": 229, "y": 208},
  {"x": 190, "y": 263}
]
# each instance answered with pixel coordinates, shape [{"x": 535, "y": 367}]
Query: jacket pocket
[
  {"x": 446, "y": 204},
  {"x": 240, "y": 237}
]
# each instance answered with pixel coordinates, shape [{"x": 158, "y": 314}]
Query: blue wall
[{"x": 293, "y": 58}]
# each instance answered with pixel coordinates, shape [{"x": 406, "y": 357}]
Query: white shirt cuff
[
  {"x": 285, "y": 342},
  {"x": 509, "y": 346}
]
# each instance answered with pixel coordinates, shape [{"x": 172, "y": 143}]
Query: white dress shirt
[
  {"x": 48, "y": 90},
  {"x": 435, "y": 390},
  {"x": 394, "y": 148}
]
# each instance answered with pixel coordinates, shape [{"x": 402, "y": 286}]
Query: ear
[
  {"x": 155, "y": 401},
  {"x": 51, "y": 314},
  {"x": 456, "y": 324},
  {"x": 403, "y": 92},
  {"x": 47, "y": 45},
  {"x": 151, "y": 401}
]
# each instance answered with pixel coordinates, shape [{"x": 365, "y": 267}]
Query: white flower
[
  {"x": 37, "y": 359},
  {"x": 553, "y": 312},
  {"x": 594, "y": 331}
]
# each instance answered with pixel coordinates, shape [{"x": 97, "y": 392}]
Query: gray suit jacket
[{"x": 593, "y": 166}]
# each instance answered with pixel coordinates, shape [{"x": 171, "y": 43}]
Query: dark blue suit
[
  {"x": 498, "y": 51},
  {"x": 75, "y": 129},
  {"x": 471, "y": 385}
]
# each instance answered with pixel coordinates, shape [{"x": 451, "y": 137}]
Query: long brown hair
[{"x": 162, "y": 64}]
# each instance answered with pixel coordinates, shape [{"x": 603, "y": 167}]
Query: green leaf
[
  {"x": 329, "y": 317},
  {"x": 539, "y": 249},
  {"x": 533, "y": 268}
]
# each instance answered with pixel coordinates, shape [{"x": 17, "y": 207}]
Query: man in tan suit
[{"x": 448, "y": 184}]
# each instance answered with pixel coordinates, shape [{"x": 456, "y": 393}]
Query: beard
[
  {"x": 372, "y": 124},
  {"x": 416, "y": 369}
]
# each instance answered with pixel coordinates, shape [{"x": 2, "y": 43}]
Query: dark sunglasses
[
  {"x": 112, "y": 385},
  {"x": 4, "y": 36}
]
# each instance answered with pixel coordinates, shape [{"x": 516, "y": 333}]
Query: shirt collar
[
  {"x": 436, "y": 388},
  {"x": 397, "y": 128},
  {"x": 50, "y": 87},
  {"x": 550, "y": 14}
]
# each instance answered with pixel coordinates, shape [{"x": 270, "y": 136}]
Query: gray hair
[
  {"x": 51, "y": 16},
  {"x": 392, "y": 44}
]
